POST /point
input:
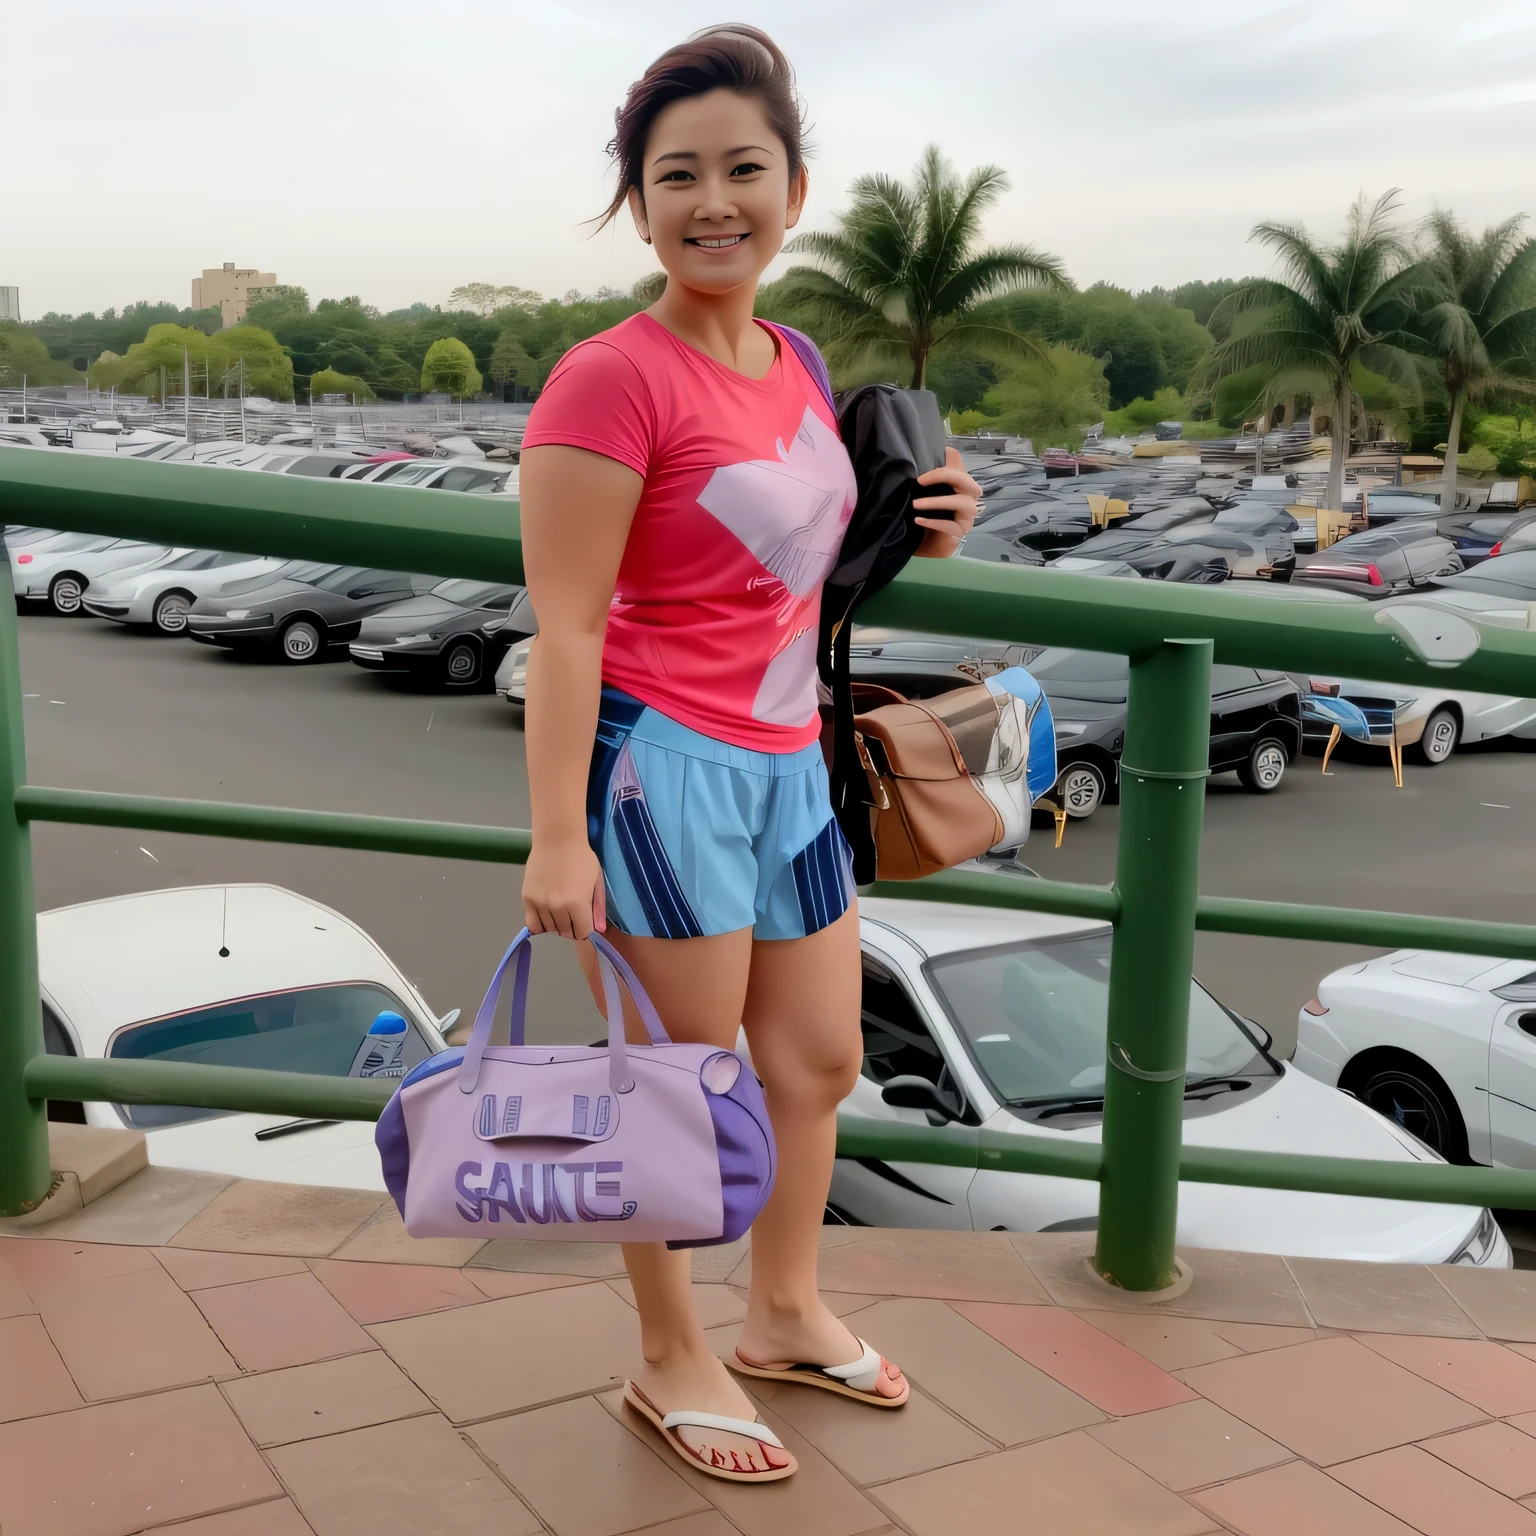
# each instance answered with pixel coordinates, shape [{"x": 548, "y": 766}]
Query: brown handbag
[{"x": 928, "y": 812}]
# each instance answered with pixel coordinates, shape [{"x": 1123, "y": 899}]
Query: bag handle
[
  {"x": 613, "y": 969},
  {"x": 810, "y": 359}
]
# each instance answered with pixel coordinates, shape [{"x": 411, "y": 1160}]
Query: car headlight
[
  {"x": 244, "y": 613},
  {"x": 420, "y": 638},
  {"x": 1479, "y": 1248}
]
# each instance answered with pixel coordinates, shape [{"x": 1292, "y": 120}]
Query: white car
[
  {"x": 63, "y": 568},
  {"x": 162, "y": 594},
  {"x": 1435, "y": 721},
  {"x": 241, "y": 976},
  {"x": 1444, "y": 1044},
  {"x": 997, "y": 1018},
  {"x": 512, "y": 674}
]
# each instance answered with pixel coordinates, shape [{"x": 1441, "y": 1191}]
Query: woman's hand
[
  {"x": 962, "y": 503},
  {"x": 563, "y": 890}
]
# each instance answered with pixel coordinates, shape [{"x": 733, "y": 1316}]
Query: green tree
[
  {"x": 1049, "y": 399},
  {"x": 1478, "y": 317},
  {"x": 267, "y": 369},
  {"x": 282, "y": 304},
  {"x": 1335, "y": 306},
  {"x": 329, "y": 382},
  {"x": 512, "y": 363},
  {"x": 901, "y": 276},
  {"x": 23, "y": 357},
  {"x": 487, "y": 298},
  {"x": 449, "y": 368}
]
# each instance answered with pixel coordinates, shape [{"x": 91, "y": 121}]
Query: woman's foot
[
  {"x": 777, "y": 1338},
  {"x": 701, "y": 1384}
]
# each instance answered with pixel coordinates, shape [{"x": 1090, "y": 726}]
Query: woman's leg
[
  {"x": 699, "y": 987},
  {"x": 802, "y": 1022}
]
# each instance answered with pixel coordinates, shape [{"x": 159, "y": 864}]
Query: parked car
[
  {"x": 1397, "y": 559},
  {"x": 996, "y": 1018},
  {"x": 1255, "y": 724},
  {"x": 240, "y": 976},
  {"x": 1041, "y": 524},
  {"x": 980, "y": 544},
  {"x": 61, "y": 569},
  {"x": 161, "y": 594},
  {"x": 1521, "y": 536},
  {"x": 1443, "y": 1044},
  {"x": 454, "y": 635},
  {"x": 475, "y": 476},
  {"x": 1478, "y": 533},
  {"x": 512, "y": 675},
  {"x": 1432, "y": 721},
  {"x": 1384, "y": 504},
  {"x": 920, "y": 666},
  {"x": 299, "y": 617},
  {"x": 1511, "y": 576}
]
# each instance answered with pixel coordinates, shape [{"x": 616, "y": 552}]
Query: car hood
[
  {"x": 1298, "y": 1112},
  {"x": 1063, "y": 707},
  {"x": 417, "y": 615},
  {"x": 253, "y": 597}
]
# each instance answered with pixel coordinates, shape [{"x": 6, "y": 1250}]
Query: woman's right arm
[{"x": 576, "y": 508}]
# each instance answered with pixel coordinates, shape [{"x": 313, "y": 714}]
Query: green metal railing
[{"x": 1171, "y": 633}]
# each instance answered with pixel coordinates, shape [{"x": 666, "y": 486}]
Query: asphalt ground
[{"x": 112, "y": 709}]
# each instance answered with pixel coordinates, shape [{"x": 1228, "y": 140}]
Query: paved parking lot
[{"x": 113, "y": 710}]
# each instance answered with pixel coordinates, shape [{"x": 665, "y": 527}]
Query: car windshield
[
  {"x": 1093, "y": 675},
  {"x": 1504, "y": 576},
  {"x": 79, "y": 544},
  {"x": 296, "y": 570},
  {"x": 203, "y": 560},
  {"x": 342, "y": 577},
  {"x": 475, "y": 594},
  {"x": 314, "y": 1029},
  {"x": 1034, "y": 1018}
]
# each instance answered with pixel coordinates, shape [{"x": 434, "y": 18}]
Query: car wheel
[
  {"x": 1265, "y": 766},
  {"x": 301, "y": 642},
  {"x": 1080, "y": 789},
  {"x": 1442, "y": 731},
  {"x": 171, "y": 611},
  {"x": 65, "y": 594},
  {"x": 1413, "y": 1095},
  {"x": 461, "y": 664}
]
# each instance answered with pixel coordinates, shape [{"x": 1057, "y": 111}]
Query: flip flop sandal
[
  {"x": 859, "y": 1380},
  {"x": 667, "y": 1425}
]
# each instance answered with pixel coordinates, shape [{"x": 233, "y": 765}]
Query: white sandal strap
[
  {"x": 749, "y": 1429},
  {"x": 862, "y": 1375}
]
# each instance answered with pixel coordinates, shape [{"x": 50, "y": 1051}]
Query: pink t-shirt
[{"x": 747, "y": 492}]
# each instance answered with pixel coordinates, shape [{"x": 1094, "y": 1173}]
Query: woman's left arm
[{"x": 958, "y": 507}]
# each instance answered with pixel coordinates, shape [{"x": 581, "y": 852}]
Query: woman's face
[{"x": 717, "y": 191}]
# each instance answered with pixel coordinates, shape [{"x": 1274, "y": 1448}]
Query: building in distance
[
  {"x": 231, "y": 288},
  {"x": 10, "y": 303}
]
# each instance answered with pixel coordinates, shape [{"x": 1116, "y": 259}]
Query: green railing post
[
  {"x": 24, "y": 1174},
  {"x": 1162, "y": 798}
]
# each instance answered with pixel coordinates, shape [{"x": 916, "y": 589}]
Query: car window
[
  {"x": 1034, "y": 1018},
  {"x": 276, "y": 466},
  {"x": 339, "y": 578},
  {"x": 318, "y": 465},
  {"x": 411, "y": 474},
  {"x": 80, "y": 544},
  {"x": 1231, "y": 679},
  {"x": 475, "y": 594},
  {"x": 389, "y": 471},
  {"x": 197, "y": 560},
  {"x": 1094, "y": 675},
  {"x": 324, "y": 1030},
  {"x": 475, "y": 481}
]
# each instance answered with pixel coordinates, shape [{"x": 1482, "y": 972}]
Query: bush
[
  {"x": 449, "y": 367},
  {"x": 329, "y": 382},
  {"x": 1510, "y": 440},
  {"x": 1049, "y": 402}
]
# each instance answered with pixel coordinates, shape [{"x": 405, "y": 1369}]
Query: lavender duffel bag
[{"x": 657, "y": 1143}]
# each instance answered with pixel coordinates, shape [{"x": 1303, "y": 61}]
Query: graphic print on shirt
[{"x": 790, "y": 512}]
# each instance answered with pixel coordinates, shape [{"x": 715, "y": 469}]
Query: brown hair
[{"x": 732, "y": 57}]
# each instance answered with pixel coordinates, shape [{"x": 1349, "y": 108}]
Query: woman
[{"x": 684, "y": 494}]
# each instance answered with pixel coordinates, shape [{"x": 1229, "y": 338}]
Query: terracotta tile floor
[{"x": 289, "y": 1361}]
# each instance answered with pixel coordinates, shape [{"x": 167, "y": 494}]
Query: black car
[
  {"x": 1188, "y": 552},
  {"x": 1512, "y": 576},
  {"x": 454, "y": 635},
  {"x": 1397, "y": 558},
  {"x": 920, "y": 666},
  {"x": 301, "y": 610},
  {"x": 1039, "y": 525},
  {"x": 1389, "y": 504},
  {"x": 1255, "y": 724}
]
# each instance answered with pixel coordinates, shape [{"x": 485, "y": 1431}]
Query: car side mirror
[{"x": 913, "y": 1092}]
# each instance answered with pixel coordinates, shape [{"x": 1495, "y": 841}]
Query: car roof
[
  {"x": 942, "y": 928},
  {"x": 113, "y": 962}
]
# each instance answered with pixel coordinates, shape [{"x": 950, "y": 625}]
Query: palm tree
[
  {"x": 1332, "y": 307},
  {"x": 900, "y": 277},
  {"x": 1479, "y": 317}
]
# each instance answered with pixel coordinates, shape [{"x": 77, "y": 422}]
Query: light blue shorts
[{"x": 697, "y": 836}]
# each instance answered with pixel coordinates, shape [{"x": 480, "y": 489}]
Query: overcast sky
[{"x": 395, "y": 151}]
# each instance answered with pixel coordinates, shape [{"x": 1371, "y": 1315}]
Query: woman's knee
[{"x": 813, "y": 1080}]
